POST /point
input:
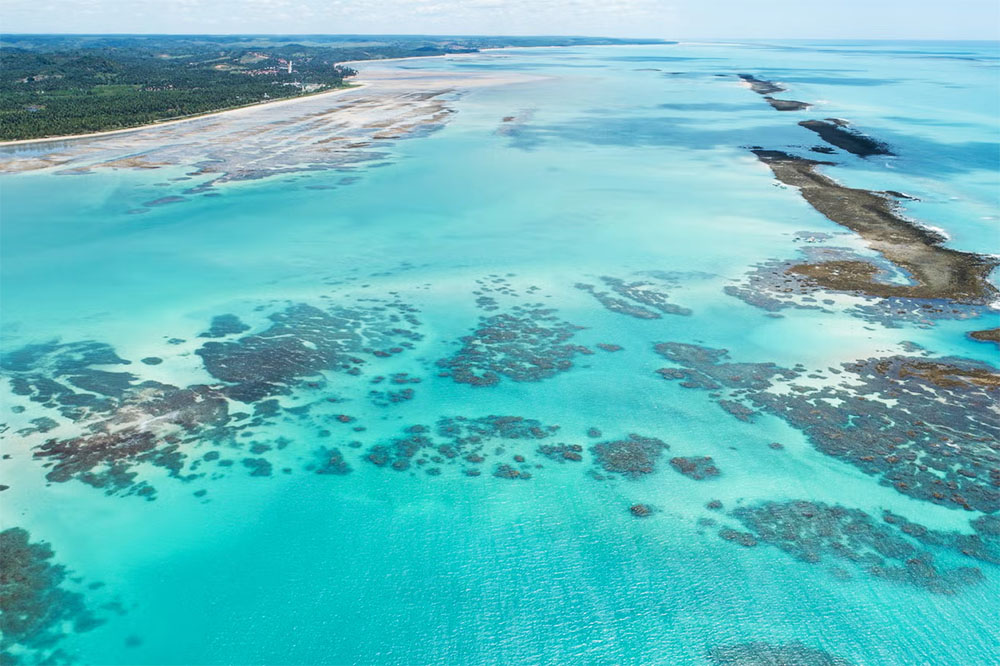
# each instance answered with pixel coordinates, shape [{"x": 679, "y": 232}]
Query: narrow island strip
[
  {"x": 767, "y": 88},
  {"x": 937, "y": 272}
]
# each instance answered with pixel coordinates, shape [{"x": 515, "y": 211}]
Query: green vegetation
[{"x": 54, "y": 85}]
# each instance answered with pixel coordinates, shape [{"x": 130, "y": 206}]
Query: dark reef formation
[
  {"x": 988, "y": 335},
  {"x": 36, "y": 609},
  {"x": 697, "y": 468},
  {"x": 121, "y": 424},
  {"x": 926, "y": 427},
  {"x": 223, "y": 325},
  {"x": 839, "y": 133},
  {"x": 459, "y": 440},
  {"x": 126, "y": 422},
  {"x": 641, "y": 510},
  {"x": 303, "y": 342},
  {"x": 777, "y": 285},
  {"x": 330, "y": 461},
  {"x": 632, "y": 457},
  {"x": 786, "y": 104},
  {"x": 767, "y": 88},
  {"x": 528, "y": 344},
  {"x": 937, "y": 272},
  {"x": 768, "y": 654},
  {"x": 815, "y": 532},
  {"x": 562, "y": 452},
  {"x": 761, "y": 86},
  {"x": 642, "y": 300}
]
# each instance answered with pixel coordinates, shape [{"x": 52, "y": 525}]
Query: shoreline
[
  {"x": 277, "y": 102},
  {"x": 174, "y": 121}
]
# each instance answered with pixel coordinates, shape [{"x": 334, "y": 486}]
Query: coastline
[
  {"x": 174, "y": 121},
  {"x": 358, "y": 83},
  {"x": 338, "y": 128}
]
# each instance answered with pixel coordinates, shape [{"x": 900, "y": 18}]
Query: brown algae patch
[{"x": 937, "y": 272}]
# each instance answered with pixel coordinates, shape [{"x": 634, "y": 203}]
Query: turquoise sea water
[{"x": 628, "y": 162}]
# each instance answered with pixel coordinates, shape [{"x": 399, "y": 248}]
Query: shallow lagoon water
[{"x": 627, "y": 162}]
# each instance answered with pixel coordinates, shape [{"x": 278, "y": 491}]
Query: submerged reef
[
  {"x": 642, "y": 300},
  {"x": 223, "y": 325},
  {"x": 329, "y": 461},
  {"x": 36, "y": 608},
  {"x": 937, "y": 272},
  {"x": 125, "y": 422},
  {"x": 768, "y": 654},
  {"x": 928, "y": 428},
  {"x": 64, "y": 376},
  {"x": 839, "y": 133},
  {"x": 632, "y": 457},
  {"x": 304, "y": 341},
  {"x": 527, "y": 344},
  {"x": 815, "y": 532},
  {"x": 697, "y": 468},
  {"x": 462, "y": 440},
  {"x": 119, "y": 424},
  {"x": 561, "y": 452}
]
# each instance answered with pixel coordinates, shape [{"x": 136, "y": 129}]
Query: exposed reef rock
[
  {"x": 937, "y": 272},
  {"x": 761, "y": 86},
  {"x": 787, "y": 104},
  {"x": 773, "y": 286},
  {"x": 989, "y": 335},
  {"x": 840, "y": 134}
]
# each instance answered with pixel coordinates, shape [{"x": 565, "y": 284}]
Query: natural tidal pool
[{"x": 592, "y": 355}]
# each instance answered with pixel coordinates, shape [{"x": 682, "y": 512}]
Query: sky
[{"x": 684, "y": 19}]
